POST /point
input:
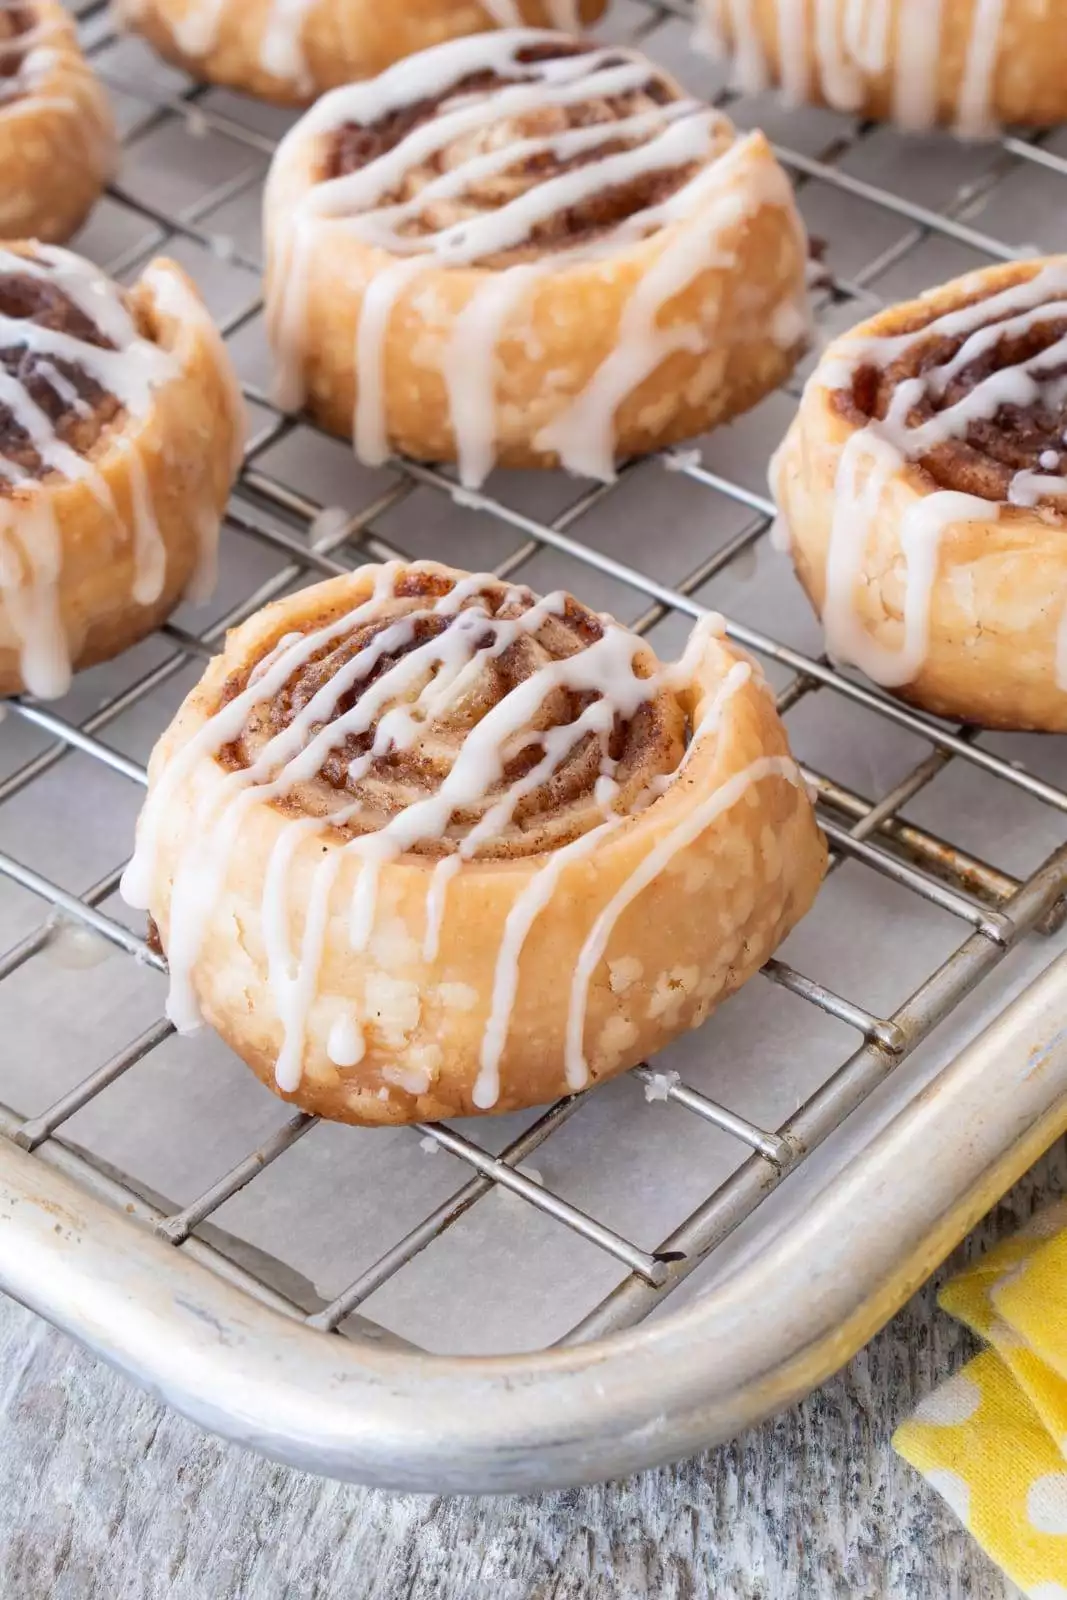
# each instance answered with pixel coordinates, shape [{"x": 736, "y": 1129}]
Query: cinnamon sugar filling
[
  {"x": 353, "y": 146},
  {"x": 985, "y": 457},
  {"x": 381, "y": 778},
  {"x": 77, "y": 407}
]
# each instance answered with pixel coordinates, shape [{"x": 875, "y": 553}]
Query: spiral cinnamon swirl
[
  {"x": 57, "y": 137},
  {"x": 924, "y": 487},
  {"x": 972, "y": 65},
  {"x": 291, "y": 51},
  {"x": 421, "y": 844},
  {"x": 523, "y": 249},
  {"x": 120, "y": 427}
]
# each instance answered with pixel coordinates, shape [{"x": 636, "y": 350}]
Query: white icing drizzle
[
  {"x": 368, "y": 425},
  {"x": 839, "y": 67},
  {"x": 564, "y": 15},
  {"x": 583, "y": 434},
  {"x": 676, "y": 136},
  {"x": 851, "y": 41},
  {"x": 657, "y": 861},
  {"x": 196, "y": 32},
  {"x": 20, "y": 90},
  {"x": 31, "y": 595},
  {"x": 29, "y": 537},
  {"x": 282, "y": 50},
  {"x": 876, "y": 454},
  {"x": 415, "y": 682},
  {"x": 505, "y": 13},
  {"x": 915, "y": 78},
  {"x": 749, "y": 60},
  {"x": 973, "y": 113},
  {"x": 792, "y": 49}
]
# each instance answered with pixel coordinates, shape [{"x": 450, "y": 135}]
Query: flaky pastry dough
[
  {"x": 967, "y": 64},
  {"x": 120, "y": 434},
  {"x": 421, "y": 845},
  {"x": 526, "y": 250},
  {"x": 291, "y": 51},
  {"x": 923, "y": 490},
  {"x": 57, "y": 135}
]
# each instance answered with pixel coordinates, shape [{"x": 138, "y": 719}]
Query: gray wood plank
[{"x": 105, "y": 1493}]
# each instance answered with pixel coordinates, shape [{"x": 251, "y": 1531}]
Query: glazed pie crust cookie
[
  {"x": 120, "y": 435},
  {"x": 923, "y": 491},
  {"x": 522, "y": 249},
  {"x": 972, "y": 65},
  {"x": 57, "y": 137},
  {"x": 404, "y": 802},
  {"x": 291, "y": 51}
]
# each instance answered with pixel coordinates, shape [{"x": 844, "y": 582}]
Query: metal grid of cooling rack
[{"x": 994, "y": 909}]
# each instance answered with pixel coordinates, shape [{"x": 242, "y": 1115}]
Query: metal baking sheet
[{"x": 895, "y": 215}]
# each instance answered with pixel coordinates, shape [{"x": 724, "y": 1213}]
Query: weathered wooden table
[{"x": 104, "y": 1493}]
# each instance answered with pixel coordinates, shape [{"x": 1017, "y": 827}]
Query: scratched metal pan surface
[{"x": 618, "y": 1279}]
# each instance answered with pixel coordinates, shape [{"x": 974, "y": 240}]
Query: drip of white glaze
[
  {"x": 505, "y": 13},
  {"x": 974, "y": 108},
  {"x": 656, "y": 862},
  {"x": 30, "y": 561},
  {"x": 130, "y": 372},
  {"x": 368, "y": 425},
  {"x": 538, "y": 893},
  {"x": 915, "y": 78},
  {"x": 584, "y": 433},
  {"x": 564, "y": 15},
  {"x": 282, "y": 51},
  {"x": 173, "y": 297},
  {"x": 839, "y": 71},
  {"x": 750, "y": 71},
  {"x": 866, "y": 32},
  {"x": 877, "y": 453},
  {"x": 792, "y": 51},
  {"x": 678, "y": 135},
  {"x": 21, "y": 91},
  {"x": 852, "y": 45},
  {"x": 445, "y": 665},
  {"x": 470, "y": 367},
  {"x": 197, "y": 30},
  {"x": 227, "y": 724},
  {"x": 533, "y": 900},
  {"x": 149, "y": 550}
]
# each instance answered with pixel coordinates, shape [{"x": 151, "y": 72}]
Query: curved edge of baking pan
[{"x": 777, "y": 1327}]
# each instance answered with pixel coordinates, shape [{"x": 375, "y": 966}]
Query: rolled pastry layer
[
  {"x": 968, "y": 64},
  {"x": 291, "y": 51},
  {"x": 923, "y": 486},
  {"x": 120, "y": 433},
  {"x": 524, "y": 249},
  {"x": 422, "y": 845},
  {"x": 57, "y": 136}
]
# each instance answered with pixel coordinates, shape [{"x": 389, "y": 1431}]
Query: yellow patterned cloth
[{"x": 993, "y": 1440}]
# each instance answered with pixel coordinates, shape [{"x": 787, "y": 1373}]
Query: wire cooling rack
[{"x": 950, "y": 846}]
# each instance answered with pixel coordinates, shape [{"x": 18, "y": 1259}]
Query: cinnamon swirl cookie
[
  {"x": 120, "y": 428},
  {"x": 523, "y": 249},
  {"x": 923, "y": 485},
  {"x": 422, "y": 845},
  {"x": 57, "y": 137},
  {"x": 291, "y": 51},
  {"x": 967, "y": 64}
]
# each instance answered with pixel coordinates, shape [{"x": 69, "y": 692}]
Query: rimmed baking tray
[{"x": 624, "y": 1277}]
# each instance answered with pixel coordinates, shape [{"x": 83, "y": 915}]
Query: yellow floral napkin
[{"x": 993, "y": 1440}]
